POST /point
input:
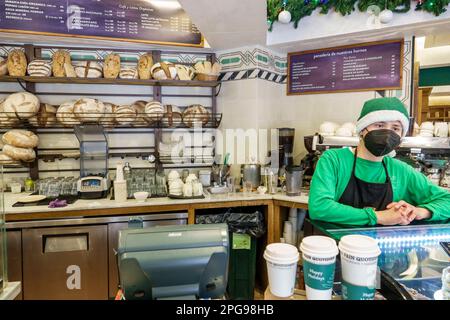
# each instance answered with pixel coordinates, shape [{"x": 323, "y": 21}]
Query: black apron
[{"x": 361, "y": 194}]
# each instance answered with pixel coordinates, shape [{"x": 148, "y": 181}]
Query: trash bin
[{"x": 244, "y": 228}]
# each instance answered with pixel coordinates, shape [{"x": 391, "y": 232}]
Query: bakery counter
[
  {"x": 39, "y": 238},
  {"x": 272, "y": 204}
]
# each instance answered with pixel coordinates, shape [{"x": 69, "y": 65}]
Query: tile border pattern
[{"x": 252, "y": 63}]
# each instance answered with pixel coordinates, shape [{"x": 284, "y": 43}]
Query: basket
[{"x": 207, "y": 77}]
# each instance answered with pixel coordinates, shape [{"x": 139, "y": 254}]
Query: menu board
[
  {"x": 361, "y": 67},
  {"x": 150, "y": 21}
]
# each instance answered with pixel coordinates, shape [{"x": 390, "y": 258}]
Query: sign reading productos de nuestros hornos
[
  {"x": 149, "y": 21},
  {"x": 361, "y": 67}
]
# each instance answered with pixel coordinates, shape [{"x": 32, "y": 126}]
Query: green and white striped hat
[{"x": 383, "y": 110}]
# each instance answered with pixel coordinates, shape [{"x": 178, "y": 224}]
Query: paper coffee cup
[
  {"x": 319, "y": 261},
  {"x": 281, "y": 261},
  {"x": 359, "y": 257}
]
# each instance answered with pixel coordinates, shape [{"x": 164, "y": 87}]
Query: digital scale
[
  {"x": 93, "y": 187},
  {"x": 94, "y": 182}
]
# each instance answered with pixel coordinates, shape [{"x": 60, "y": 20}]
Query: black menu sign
[
  {"x": 361, "y": 67},
  {"x": 150, "y": 21}
]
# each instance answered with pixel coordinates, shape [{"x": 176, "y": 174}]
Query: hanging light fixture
[{"x": 284, "y": 16}]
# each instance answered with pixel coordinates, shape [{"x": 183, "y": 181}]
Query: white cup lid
[
  {"x": 283, "y": 253},
  {"x": 319, "y": 245},
  {"x": 359, "y": 245}
]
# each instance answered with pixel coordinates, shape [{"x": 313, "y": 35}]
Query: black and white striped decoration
[{"x": 252, "y": 74}]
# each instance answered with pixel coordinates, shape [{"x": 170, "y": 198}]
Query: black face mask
[{"x": 382, "y": 141}]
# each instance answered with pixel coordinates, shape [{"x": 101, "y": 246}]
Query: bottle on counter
[
  {"x": 127, "y": 170},
  {"x": 29, "y": 185}
]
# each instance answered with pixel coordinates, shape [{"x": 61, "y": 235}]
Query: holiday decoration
[
  {"x": 284, "y": 16},
  {"x": 299, "y": 9},
  {"x": 386, "y": 16}
]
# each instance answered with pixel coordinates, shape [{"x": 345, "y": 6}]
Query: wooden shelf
[{"x": 138, "y": 82}]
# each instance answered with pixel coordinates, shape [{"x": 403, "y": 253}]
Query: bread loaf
[
  {"x": 5, "y": 120},
  {"x": 3, "y": 66},
  {"x": 125, "y": 114},
  {"x": 111, "y": 66},
  {"x": 20, "y": 154},
  {"x": 172, "y": 116},
  {"x": 108, "y": 118},
  {"x": 185, "y": 72},
  {"x": 65, "y": 115},
  {"x": 88, "y": 69},
  {"x": 5, "y": 159},
  {"x": 60, "y": 63},
  {"x": 21, "y": 105},
  {"x": 141, "y": 118},
  {"x": 20, "y": 138},
  {"x": 196, "y": 115},
  {"x": 69, "y": 70},
  {"x": 46, "y": 116},
  {"x": 163, "y": 71},
  {"x": 39, "y": 68},
  {"x": 17, "y": 63},
  {"x": 88, "y": 109},
  {"x": 154, "y": 111},
  {"x": 145, "y": 63},
  {"x": 128, "y": 72}
]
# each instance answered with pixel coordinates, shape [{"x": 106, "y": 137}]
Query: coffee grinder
[{"x": 285, "y": 149}]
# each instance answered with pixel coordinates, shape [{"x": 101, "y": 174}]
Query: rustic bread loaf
[
  {"x": 154, "y": 111},
  {"x": 20, "y": 138},
  {"x": 39, "y": 68},
  {"x": 46, "y": 116},
  {"x": 5, "y": 159},
  {"x": 60, "y": 62},
  {"x": 88, "y": 69},
  {"x": 20, "y": 154},
  {"x": 128, "y": 72},
  {"x": 5, "y": 120},
  {"x": 145, "y": 63},
  {"x": 17, "y": 63},
  {"x": 172, "y": 116},
  {"x": 69, "y": 70},
  {"x": 125, "y": 114},
  {"x": 3, "y": 66},
  {"x": 65, "y": 115},
  {"x": 88, "y": 109},
  {"x": 185, "y": 72},
  {"x": 141, "y": 118},
  {"x": 164, "y": 71},
  {"x": 108, "y": 118},
  {"x": 21, "y": 105},
  {"x": 111, "y": 66},
  {"x": 195, "y": 114}
]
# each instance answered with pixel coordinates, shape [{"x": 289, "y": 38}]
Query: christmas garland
[{"x": 302, "y": 8}]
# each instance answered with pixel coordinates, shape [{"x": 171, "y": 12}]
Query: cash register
[{"x": 174, "y": 262}]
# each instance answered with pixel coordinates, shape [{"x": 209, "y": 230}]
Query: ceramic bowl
[{"x": 140, "y": 196}]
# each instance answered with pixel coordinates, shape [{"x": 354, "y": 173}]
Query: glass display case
[
  {"x": 412, "y": 257},
  {"x": 3, "y": 264}
]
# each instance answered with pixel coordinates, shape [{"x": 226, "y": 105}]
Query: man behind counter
[{"x": 365, "y": 186}]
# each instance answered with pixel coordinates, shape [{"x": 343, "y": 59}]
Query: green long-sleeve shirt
[{"x": 332, "y": 175}]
